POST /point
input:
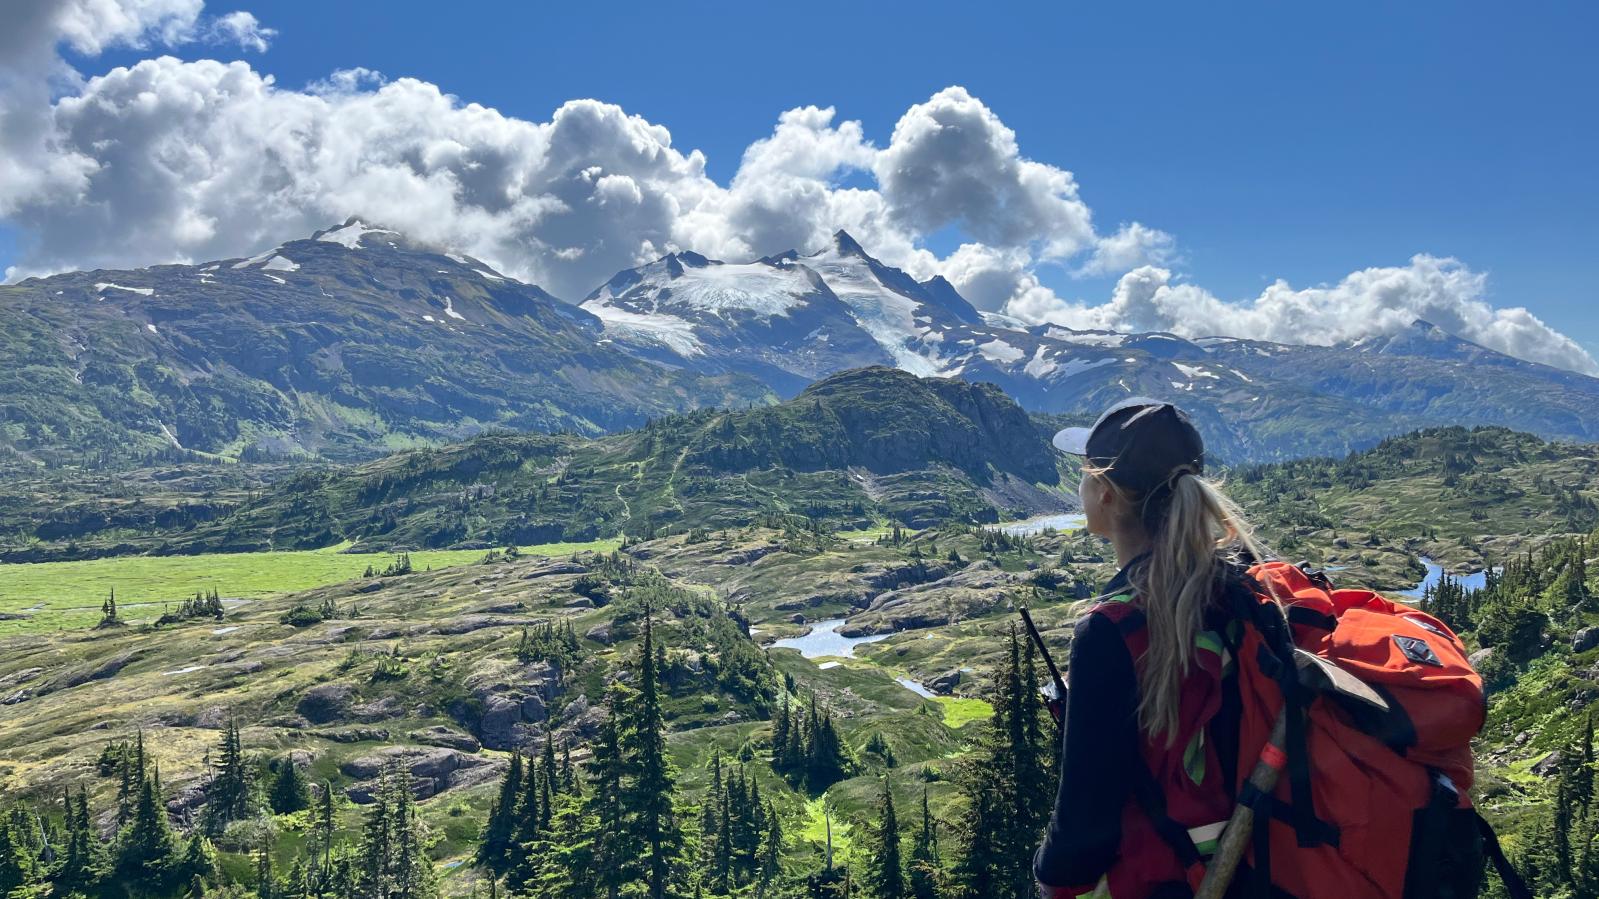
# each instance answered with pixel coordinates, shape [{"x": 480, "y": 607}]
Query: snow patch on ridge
[
  {"x": 349, "y": 236},
  {"x": 997, "y": 350},
  {"x": 672, "y": 332},
  {"x": 1194, "y": 372},
  {"x": 103, "y": 286},
  {"x": 281, "y": 264}
]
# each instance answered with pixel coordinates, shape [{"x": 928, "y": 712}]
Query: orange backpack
[{"x": 1373, "y": 799}]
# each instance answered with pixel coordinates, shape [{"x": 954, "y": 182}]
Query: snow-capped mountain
[
  {"x": 358, "y": 340},
  {"x": 793, "y": 317},
  {"x": 771, "y": 318}
]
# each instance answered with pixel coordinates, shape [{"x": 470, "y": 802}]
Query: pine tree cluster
[{"x": 807, "y": 747}]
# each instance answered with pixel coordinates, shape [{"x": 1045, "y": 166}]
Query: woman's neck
[{"x": 1129, "y": 546}]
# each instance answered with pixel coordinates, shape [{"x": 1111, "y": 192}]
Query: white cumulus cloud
[
  {"x": 1369, "y": 302},
  {"x": 175, "y": 160}
]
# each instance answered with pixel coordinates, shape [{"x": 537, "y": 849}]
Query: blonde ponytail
[{"x": 1199, "y": 531}]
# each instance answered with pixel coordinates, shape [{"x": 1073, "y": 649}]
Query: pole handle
[{"x": 1240, "y": 827}]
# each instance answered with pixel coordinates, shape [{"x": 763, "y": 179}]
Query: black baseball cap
[{"x": 1140, "y": 441}]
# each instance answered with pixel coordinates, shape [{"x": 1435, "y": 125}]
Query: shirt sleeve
[{"x": 1097, "y": 759}]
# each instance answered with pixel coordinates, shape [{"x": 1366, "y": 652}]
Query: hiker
[
  {"x": 1196, "y": 652},
  {"x": 1176, "y": 537}
]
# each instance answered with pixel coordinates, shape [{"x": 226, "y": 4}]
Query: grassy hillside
[{"x": 1466, "y": 498}]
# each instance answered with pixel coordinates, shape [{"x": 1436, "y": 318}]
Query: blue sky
[{"x": 1272, "y": 140}]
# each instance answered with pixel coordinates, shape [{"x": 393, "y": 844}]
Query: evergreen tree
[
  {"x": 146, "y": 846},
  {"x": 413, "y": 876},
  {"x": 18, "y": 866},
  {"x": 374, "y": 874},
  {"x": 771, "y": 854},
  {"x": 530, "y": 816},
  {"x": 569, "y": 782},
  {"x": 614, "y": 851},
  {"x": 1006, "y": 811},
  {"x": 885, "y": 872},
  {"x": 716, "y": 847},
  {"x": 290, "y": 791},
  {"x": 782, "y": 729},
  {"x": 325, "y": 822},
  {"x": 547, "y": 778},
  {"x": 501, "y": 826},
  {"x": 650, "y": 799},
  {"x": 199, "y": 860},
  {"x": 83, "y": 861},
  {"x": 129, "y": 772},
  {"x": 393, "y": 862},
  {"x": 925, "y": 868},
  {"x": 265, "y": 884},
  {"x": 228, "y": 794}
]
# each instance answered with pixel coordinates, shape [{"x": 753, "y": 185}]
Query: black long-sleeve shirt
[{"x": 1097, "y": 758}]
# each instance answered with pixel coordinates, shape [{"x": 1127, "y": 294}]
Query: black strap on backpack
[{"x": 1508, "y": 875}]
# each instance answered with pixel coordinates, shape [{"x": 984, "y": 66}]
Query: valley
[{"x": 768, "y": 588}]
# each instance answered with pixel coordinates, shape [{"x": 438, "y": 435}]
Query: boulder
[
  {"x": 509, "y": 700},
  {"x": 945, "y": 683},
  {"x": 448, "y": 737},
  {"x": 1585, "y": 639},
  {"x": 551, "y": 568},
  {"x": 433, "y": 770},
  {"x": 600, "y": 633},
  {"x": 421, "y": 761},
  {"x": 212, "y": 718},
  {"x": 497, "y": 725},
  {"x": 353, "y": 734},
  {"x": 326, "y": 703},
  {"x": 1480, "y": 657},
  {"x": 1549, "y": 765}
]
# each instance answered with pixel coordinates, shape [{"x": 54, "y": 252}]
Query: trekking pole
[
  {"x": 1240, "y": 827},
  {"x": 1057, "y": 701}
]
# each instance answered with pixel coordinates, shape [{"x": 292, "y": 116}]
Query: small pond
[
  {"x": 1066, "y": 521},
  {"x": 1475, "y": 580},
  {"x": 825, "y": 640}
]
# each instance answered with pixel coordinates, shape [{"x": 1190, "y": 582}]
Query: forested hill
[
  {"x": 1465, "y": 497},
  {"x": 855, "y": 447}
]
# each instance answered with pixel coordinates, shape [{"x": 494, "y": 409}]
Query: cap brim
[{"x": 1073, "y": 441}]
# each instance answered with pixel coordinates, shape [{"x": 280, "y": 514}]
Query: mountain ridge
[
  {"x": 347, "y": 344},
  {"x": 358, "y": 341}
]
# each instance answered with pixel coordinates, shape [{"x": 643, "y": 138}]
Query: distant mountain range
[
  {"x": 788, "y": 318},
  {"x": 358, "y": 342}
]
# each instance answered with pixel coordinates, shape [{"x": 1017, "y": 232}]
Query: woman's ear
[{"x": 1108, "y": 497}]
